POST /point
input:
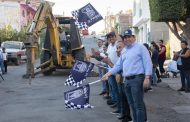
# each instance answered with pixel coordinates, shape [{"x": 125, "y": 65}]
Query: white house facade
[
  {"x": 10, "y": 14},
  {"x": 145, "y": 29}
]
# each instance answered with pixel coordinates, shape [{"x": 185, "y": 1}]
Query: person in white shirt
[
  {"x": 113, "y": 57},
  {"x": 5, "y": 59}
]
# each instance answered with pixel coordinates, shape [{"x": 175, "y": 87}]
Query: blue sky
[{"x": 102, "y": 6}]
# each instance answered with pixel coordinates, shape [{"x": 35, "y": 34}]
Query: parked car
[{"x": 16, "y": 51}]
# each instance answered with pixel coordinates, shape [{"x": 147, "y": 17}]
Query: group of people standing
[
  {"x": 128, "y": 69},
  {"x": 129, "y": 72},
  {"x": 158, "y": 56},
  {"x": 3, "y": 60}
]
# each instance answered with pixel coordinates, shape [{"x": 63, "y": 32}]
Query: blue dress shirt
[{"x": 135, "y": 59}]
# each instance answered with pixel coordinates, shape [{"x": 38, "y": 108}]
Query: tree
[
  {"x": 7, "y": 33},
  {"x": 176, "y": 14}
]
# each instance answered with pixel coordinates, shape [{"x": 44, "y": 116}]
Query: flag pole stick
[
  {"x": 94, "y": 82},
  {"x": 102, "y": 67}
]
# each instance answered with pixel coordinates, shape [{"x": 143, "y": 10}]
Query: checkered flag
[
  {"x": 86, "y": 16},
  {"x": 75, "y": 14},
  {"x": 78, "y": 98},
  {"x": 74, "y": 106},
  {"x": 81, "y": 25},
  {"x": 71, "y": 82},
  {"x": 79, "y": 72}
]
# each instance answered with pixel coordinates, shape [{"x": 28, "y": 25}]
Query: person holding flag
[{"x": 136, "y": 64}]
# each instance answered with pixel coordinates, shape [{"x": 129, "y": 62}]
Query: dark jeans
[
  {"x": 101, "y": 73},
  {"x": 187, "y": 77},
  {"x": 123, "y": 103},
  {"x": 182, "y": 75},
  {"x": 134, "y": 92},
  {"x": 161, "y": 65},
  {"x": 113, "y": 88},
  {"x": 5, "y": 65}
]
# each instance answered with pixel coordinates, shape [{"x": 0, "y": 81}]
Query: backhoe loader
[{"x": 60, "y": 48}]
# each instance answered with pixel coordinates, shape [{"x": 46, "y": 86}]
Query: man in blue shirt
[{"x": 136, "y": 64}]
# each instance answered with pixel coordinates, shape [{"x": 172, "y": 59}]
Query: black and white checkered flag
[
  {"x": 86, "y": 16},
  {"x": 82, "y": 25},
  {"x": 79, "y": 72},
  {"x": 78, "y": 98},
  {"x": 71, "y": 82},
  {"x": 75, "y": 14},
  {"x": 74, "y": 106}
]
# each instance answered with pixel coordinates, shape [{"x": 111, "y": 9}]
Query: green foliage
[
  {"x": 7, "y": 33},
  {"x": 168, "y": 10}
]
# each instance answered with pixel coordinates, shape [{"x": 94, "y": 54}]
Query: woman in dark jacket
[
  {"x": 183, "y": 62},
  {"x": 154, "y": 57}
]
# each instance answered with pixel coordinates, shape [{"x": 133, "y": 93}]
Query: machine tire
[{"x": 45, "y": 56}]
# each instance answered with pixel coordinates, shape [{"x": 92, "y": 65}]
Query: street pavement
[{"x": 43, "y": 100}]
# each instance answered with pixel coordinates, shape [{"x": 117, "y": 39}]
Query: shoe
[
  {"x": 115, "y": 112},
  {"x": 102, "y": 93},
  {"x": 159, "y": 80},
  {"x": 110, "y": 102},
  {"x": 148, "y": 89},
  {"x": 114, "y": 105},
  {"x": 107, "y": 97},
  {"x": 181, "y": 89},
  {"x": 127, "y": 119},
  {"x": 120, "y": 117}
]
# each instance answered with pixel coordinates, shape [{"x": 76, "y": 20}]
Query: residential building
[
  {"x": 27, "y": 14},
  {"x": 17, "y": 13},
  {"x": 10, "y": 14},
  {"x": 145, "y": 29},
  {"x": 120, "y": 21},
  {"x": 123, "y": 21},
  {"x": 110, "y": 22}
]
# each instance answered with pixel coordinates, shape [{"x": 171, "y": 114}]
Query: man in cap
[
  {"x": 136, "y": 64},
  {"x": 113, "y": 57}
]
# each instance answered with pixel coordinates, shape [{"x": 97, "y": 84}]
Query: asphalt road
[{"x": 43, "y": 101}]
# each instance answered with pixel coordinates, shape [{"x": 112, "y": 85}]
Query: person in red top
[{"x": 162, "y": 57}]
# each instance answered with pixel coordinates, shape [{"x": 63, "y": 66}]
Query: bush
[{"x": 168, "y": 10}]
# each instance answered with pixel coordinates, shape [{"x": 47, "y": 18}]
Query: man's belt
[{"x": 133, "y": 76}]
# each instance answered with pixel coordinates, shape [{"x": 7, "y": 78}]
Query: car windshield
[{"x": 12, "y": 45}]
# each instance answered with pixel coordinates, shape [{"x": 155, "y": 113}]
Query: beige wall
[
  {"x": 159, "y": 30},
  {"x": 174, "y": 43}
]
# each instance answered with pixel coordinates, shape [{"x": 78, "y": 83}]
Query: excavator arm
[{"x": 43, "y": 18}]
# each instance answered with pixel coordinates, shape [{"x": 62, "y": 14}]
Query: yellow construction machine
[{"x": 62, "y": 43}]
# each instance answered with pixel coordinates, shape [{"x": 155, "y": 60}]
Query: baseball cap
[{"x": 128, "y": 33}]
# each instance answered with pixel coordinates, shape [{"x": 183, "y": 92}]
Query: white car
[{"x": 16, "y": 51}]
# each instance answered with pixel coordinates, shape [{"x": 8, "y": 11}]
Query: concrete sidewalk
[{"x": 175, "y": 84}]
